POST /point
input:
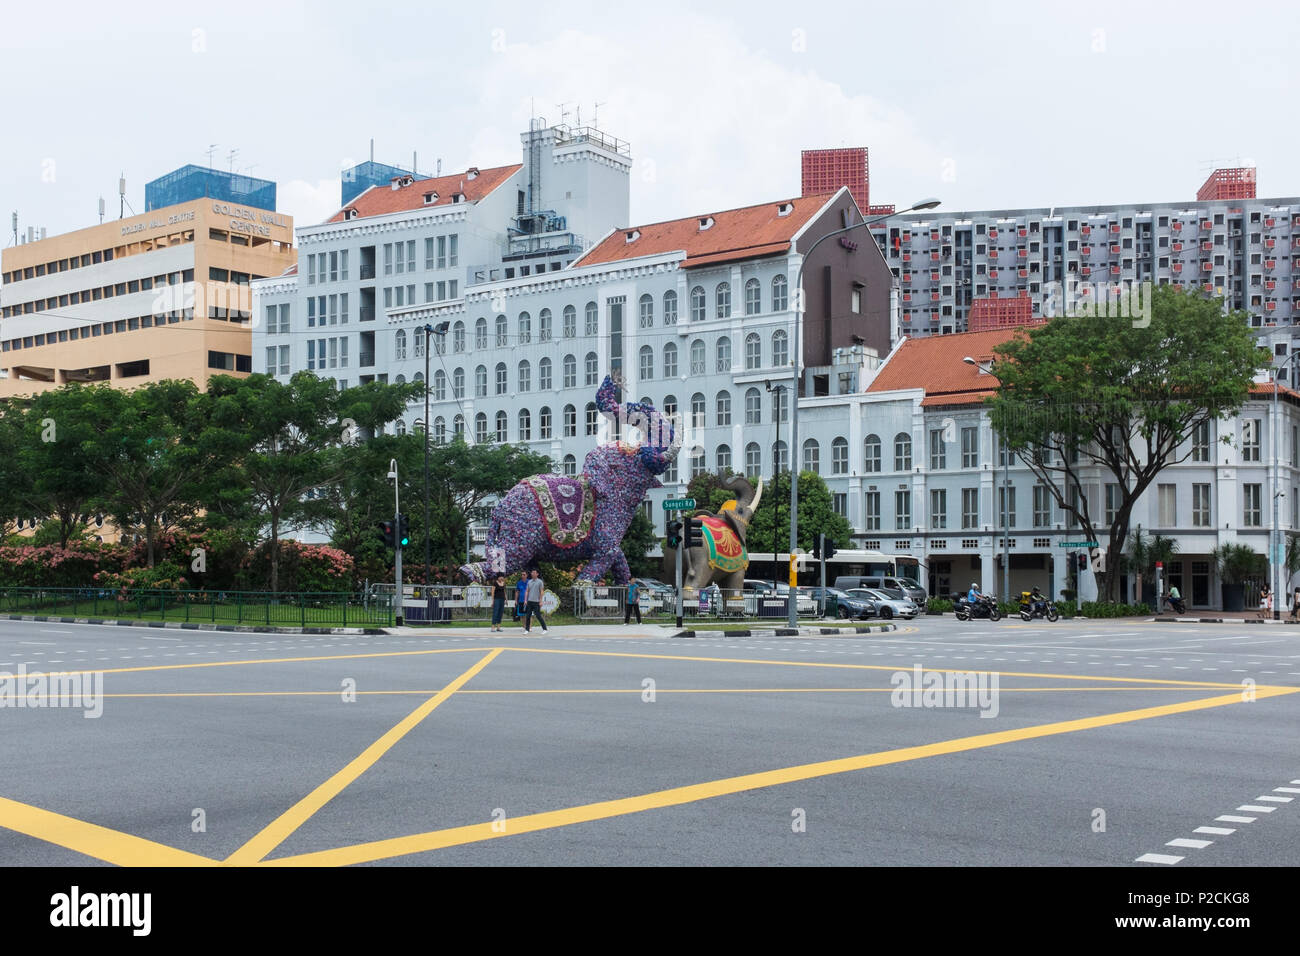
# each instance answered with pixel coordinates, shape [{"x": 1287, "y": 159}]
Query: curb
[
  {"x": 1216, "y": 620},
  {"x": 194, "y": 626},
  {"x": 792, "y": 631}
]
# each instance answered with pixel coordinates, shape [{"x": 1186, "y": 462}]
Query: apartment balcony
[
  {"x": 367, "y": 271},
  {"x": 367, "y": 313},
  {"x": 367, "y": 360}
]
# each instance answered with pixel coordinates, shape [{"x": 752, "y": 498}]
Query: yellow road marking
[
  {"x": 102, "y": 843},
  {"x": 531, "y": 823},
  {"x": 284, "y": 825}
]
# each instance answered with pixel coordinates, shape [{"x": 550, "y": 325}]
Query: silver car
[{"x": 886, "y": 607}]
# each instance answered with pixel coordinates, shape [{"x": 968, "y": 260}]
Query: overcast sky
[{"x": 985, "y": 105}]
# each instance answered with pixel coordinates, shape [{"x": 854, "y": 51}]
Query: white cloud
[{"x": 308, "y": 204}]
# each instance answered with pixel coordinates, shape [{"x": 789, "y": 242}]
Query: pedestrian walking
[
  {"x": 533, "y": 598},
  {"x": 520, "y": 601},
  {"x": 498, "y": 601},
  {"x": 631, "y": 604},
  {"x": 1295, "y": 602}
]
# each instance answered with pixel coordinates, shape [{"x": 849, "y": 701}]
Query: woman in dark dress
[{"x": 498, "y": 601}]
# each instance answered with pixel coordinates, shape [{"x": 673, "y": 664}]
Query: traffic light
[
  {"x": 695, "y": 533},
  {"x": 386, "y": 532},
  {"x": 403, "y": 530},
  {"x": 817, "y": 547},
  {"x": 1083, "y": 560},
  {"x": 828, "y": 548},
  {"x": 674, "y": 534}
]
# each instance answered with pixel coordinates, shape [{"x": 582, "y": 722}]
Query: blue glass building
[{"x": 199, "y": 182}]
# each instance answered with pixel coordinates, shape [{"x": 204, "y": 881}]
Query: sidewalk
[{"x": 1224, "y": 617}]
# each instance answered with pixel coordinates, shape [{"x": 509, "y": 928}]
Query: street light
[
  {"x": 397, "y": 546},
  {"x": 798, "y": 361},
  {"x": 439, "y": 330},
  {"x": 1006, "y": 505},
  {"x": 776, "y": 499},
  {"x": 1275, "y": 556}
]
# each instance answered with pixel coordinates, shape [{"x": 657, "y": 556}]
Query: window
[
  {"x": 902, "y": 510},
  {"x": 544, "y": 375},
  {"x": 646, "y": 363},
  {"x": 544, "y": 422},
  {"x": 399, "y": 345},
  {"x": 902, "y": 452},
  {"x": 453, "y": 252},
  {"x": 780, "y": 460},
  {"x": 699, "y": 417},
  {"x": 1042, "y": 506},
  {"x": 439, "y": 430},
  {"x": 458, "y": 426},
  {"x": 670, "y": 307},
  {"x": 938, "y": 450},
  {"x": 970, "y": 508},
  {"x": 855, "y": 304},
  {"x": 724, "y": 355},
  {"x": 873, "y": 511},
  {"x": 812, "y": 456},
  {"x": 544, "y": 325},
  {"x": 591, "y": 319},
  {"x": 428, "y": 253},
  {"x": 670, "y": 405},
  {"x": 410, "y": 256},
  {"x": 439, "y": 386},
  {"x": 525, "y": 376},
  {"x": 570, "y": 465},
  {"x": 503, "y": 333},
  {"x": 1006, "y": 506},
  {"x": 480, "y": 382},
  {"x": 502, "y": 381},
  {"x": 697, "y": 304},
  {"x": 458, "y": 383},
  {"x": 480, "y": 334},
  {"x": 525, "y": 328},
  {"x": 753, "y": 407},
  {"x": 1168, "y": 503},
  {"x": 723, "y": 408},
  {"x": 1251, "y": 512},
  {"x": 1201, "y": 441},
  {"x": 1201, "y": 505},
  {"x": 938, "y": 508},
  {"x": 780, "y": 354},
  {"x": 780, "y": 296},
  {"x": 724, "y": 459},
  {"x": 591, "y": 366},
  {"x": 722, "y": 301},
  {"x": 970, "y": 447},
  {"x": 670, "y": 360},
  {"x": 481, "y": 428},
  {"x": 570, "y": 422},
  {"x": 840, "y": 504},
  {"x": 1250, "y": 439},
  {"x": 591, "y": 418},
  {"x": 840, "y": 456},
  {"x": 388, "y": 258},
  {"x": 1112, "y": 502},
  {"x": 570, "y": 372},
  {"x": 570, "y": 322},
  {"x": 698, "y": 358},
  {"x": 871, "y": 454},
  {"x": 647, "y": 311},
  {"x": 753, "y": 297},
  {"x": 753, "y": 460},
  {"x": 458, "y": 337},
  {"x": 753, "y": 351},
  {"x": 780, "y": 407}
]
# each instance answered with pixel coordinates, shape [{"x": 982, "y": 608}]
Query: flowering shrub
[
  {"x": 52, "y": 566},
  {"x": 166, "y": 576},
  {"x": 304, "y": 567}
]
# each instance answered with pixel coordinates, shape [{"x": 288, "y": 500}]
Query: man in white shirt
[{"x": 533, "y": 595}]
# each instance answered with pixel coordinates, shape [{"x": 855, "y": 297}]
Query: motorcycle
[
  {"x": 1042, "y": 607},
  {"x": 984, "y": 607},
  {"x": 1176, "y": 604}
]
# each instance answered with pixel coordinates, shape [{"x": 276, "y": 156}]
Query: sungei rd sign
[{"x": 679, "y": 504}]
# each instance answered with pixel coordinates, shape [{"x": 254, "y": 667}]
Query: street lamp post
[
  {"x": 1006, "y": 494},
  {"x": 776, "y": 499},
  {"x": 439, "y": 330},
  {"x": 797, "y": 363},
  {"x": 398, "y": 607},
  {"x": 1275, "y": 555}
]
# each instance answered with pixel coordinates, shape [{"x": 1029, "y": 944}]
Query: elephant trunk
[{"x": 748, "y": 497}]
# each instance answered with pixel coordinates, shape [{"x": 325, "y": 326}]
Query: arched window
[
  {"x": 871, "y": 454},
  {"x": 419, "y": 377},
  {"x": 780, "y": 294},
  {"x": 646, "y": 369},
  {"x": 902, "y": 452},
  {"x": 697, "y": 304},
  {"x": 501, "y": 378},
  {"x": 591, "y": 319},
  {"x": 722, "y": 301},
  {"x": 670, "y": 405},
  {"x": 753, "y": 407},
  {"x": 525, "y": 328},
  {"x": 480, "y": 428},
  {"x": 699, "y": 462},
  {"x": 401, "y": 379},
  {"x": 670, "y": 307},
  {"x": 670, "y": 360},
  {"x": 698, "y": 416},
  {"x": 480, "y": 382},
  {"x": 840, "y": 456},
  {"x": 724, "y": 355},
  {"x": 503, "y": 423},
  {"x": 399, "y": 345},
  {"x": 647, "y": 311},
  {"x": 753, "y": 351},
  {"x": 570, "y": 321},
  {"x": 780, "y": 458},
  {"x": 570, "y": 465},
  {"x": 458, "y": 383},
  {"x": 590, "y": 418},
  {"x": 723, "y": 408},
  {"x": 503, "y": 331},
  {"x": 439, "y": 385},
  {"x": 440, "y": 430},
  {"x": 525, "y": 425},
  {"x": 544, "y": 325},
  {"x": 753, "y": 460},
  {"x": 812, "y": 456},
  {"x": 591, "y": 366},
  {"x": 458, "y": 337},
  {"x": 698, "y": 358},
  {"x": 724, "y": 459},
  {"x": 544, "y": 375},
  {"x": 417, "y": 340},
  {"x": 780, "y": 405},
  {"x": 570, "y": 422},
  {"x": 753, "y": 297},
  {"x": 399, "y": 427},
  {"x": 525, "y": 376},
  {"x": 544, "y": 422},
  {"x": 458, "y": 426},
  {"x": 480, "y": 334},
  {"x": 780, "y": 352},
  {"x": 570, "y": 372}
]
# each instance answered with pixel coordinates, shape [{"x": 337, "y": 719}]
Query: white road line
[
  {"x": 1217, "y": 831},
  {"x": 1252, "y": 808},
  {"x": 1190, "y": 844},
  {"x": 1157, "y": 858},
  {"x": 1269, "y": 799},
  {"x": 1286, "y": 790},
  {"x": 1228, "y": 818},
  {"x": 46, "y": 630},
  {"x": 39, "y": 643}
]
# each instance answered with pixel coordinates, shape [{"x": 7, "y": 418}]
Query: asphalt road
[{"x": 1102, "y": 744}]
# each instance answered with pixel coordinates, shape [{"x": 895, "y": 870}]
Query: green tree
[
  {"x": 707, "y": 490},
  {"x": 1106, "y": 399},
  {"x": 815, "y": 515},
  {"x": 1145, "y": 551},
  {"x": 637, "y": 544}
]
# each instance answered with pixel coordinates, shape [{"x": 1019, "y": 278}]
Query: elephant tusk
[{"x": 758, "y": 496}]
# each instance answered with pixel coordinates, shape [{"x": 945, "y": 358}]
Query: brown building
[{"x": 161, "y": 295}]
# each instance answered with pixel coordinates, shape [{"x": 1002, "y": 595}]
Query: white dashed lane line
[{"x": 1165, "y": 859}]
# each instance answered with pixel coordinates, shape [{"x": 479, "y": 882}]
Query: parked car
[
  {"x": 887, "y": 607},
  {"x": 663, "y": 592},
  {"x": 841, "y": 604},
  {"x": 803, "y": 603},
  {"x": 894, "y": 587}
]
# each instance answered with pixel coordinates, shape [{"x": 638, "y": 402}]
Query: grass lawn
[{"x": 275, "y": 615}]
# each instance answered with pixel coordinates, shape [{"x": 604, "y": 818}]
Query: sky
[{"x": 990, "y": 105}]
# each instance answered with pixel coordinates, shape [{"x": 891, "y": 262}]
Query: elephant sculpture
[
  {"x": 723, "y": 557},
  {"x": 561, "y": 518}
]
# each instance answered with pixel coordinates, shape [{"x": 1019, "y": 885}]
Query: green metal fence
[{"x": 317, "y": 609}]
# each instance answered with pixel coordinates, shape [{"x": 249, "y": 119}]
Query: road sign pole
[
  {"x": 680, "y": 602},
  {"x": 822, "y": 552}
]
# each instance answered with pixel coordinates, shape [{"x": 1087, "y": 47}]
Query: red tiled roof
[
  {"x": 744, "y": 233},
  {"x": 935, "y": 364},
  {"x": 379, "y": 200}
]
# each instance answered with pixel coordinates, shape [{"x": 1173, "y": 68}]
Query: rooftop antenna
[
  {"x": 596, "y": 119},
  {"x": 15, "y": 222},
  {"x": 372, "y": 149},
  {"x": 121, "y": 196},
  {"x": 233, "y": 154},
  {"x": 439, "y": 165},
  {"x": 414, "y": 166},
  {"x": 101, "y": 210},
  {"x": 564, "y": 112},
  {"x": 578, "y": 121},
  {"x": 212, "y": 148}
]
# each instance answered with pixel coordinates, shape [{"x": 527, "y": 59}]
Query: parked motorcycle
[
  {"x": 984, "y": 607},
  {"x": 1031, "y": 608}
]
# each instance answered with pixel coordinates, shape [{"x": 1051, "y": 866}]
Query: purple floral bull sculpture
[{"x": 560, "y": 518}]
